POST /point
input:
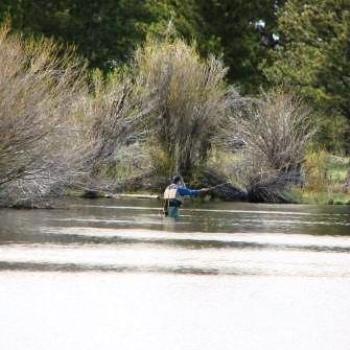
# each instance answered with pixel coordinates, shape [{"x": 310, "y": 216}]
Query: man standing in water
[{"x": 174, "y": 195}]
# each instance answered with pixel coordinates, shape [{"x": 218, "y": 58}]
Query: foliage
[
  {"x": 315, "y": 61},
  {"x": 321, "y": 198},
  {"x": 276, "y": 130},
  {"x": 183, "y": 15},
  {"x": 190, "y": 99},
  {"x": 229, "y": 27},
  {"x": 316, "y": 170},
  {"x": 310, "y": 57},
  {"x": 327, "y": 179},
  {"x": 106, "y": 32},
  {"x": 39, "y": 94},
  {"x": 225, "y": 28},
  {"x": 116, "y": 111},
  {"x": 169, "y": 104},
  {"x": 323, "y": 170}
]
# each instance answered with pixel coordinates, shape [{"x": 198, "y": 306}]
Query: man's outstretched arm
[{"x": 183, "y": 191}]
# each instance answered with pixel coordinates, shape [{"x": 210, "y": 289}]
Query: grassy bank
[
  {"x": 168, "y": 112},
  {"x": 326, "y": 180},
  {"x": 321, "y": 198}
]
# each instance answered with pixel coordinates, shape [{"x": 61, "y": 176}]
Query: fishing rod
[{"x": 220, "y": 185}]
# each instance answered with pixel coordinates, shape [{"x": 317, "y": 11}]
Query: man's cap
[{"x": 176, "y": 179}]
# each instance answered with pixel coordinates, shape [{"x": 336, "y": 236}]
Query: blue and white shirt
[{"x": 177, "y": 192}]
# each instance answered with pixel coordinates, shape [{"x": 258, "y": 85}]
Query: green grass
[
  {"x": 321, "y": 198},
  {"x": 337, "y": 169},
  {"x": 330, "y": 188}
]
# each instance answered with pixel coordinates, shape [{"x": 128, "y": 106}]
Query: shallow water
[{"x": 115, "y": 275}]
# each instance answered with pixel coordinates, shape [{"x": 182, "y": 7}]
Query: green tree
[
  {"x": 231, "y": 27},
  {"x": 107, "y": 32},
  {"x": 226, "y": 28},
  {"x": 104, "y": 32},
  {"x": 314, "y": 60},
  {"x": 183, "y": 14}
]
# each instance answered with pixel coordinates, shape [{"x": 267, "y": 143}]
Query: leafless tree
[
  {"x": 276, "y": 129},
  {"x": 117, "y": 116}
]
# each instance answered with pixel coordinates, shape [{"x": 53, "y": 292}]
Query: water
[{"x": 113, "y": 274}]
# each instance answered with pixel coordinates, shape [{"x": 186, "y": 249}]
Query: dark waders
[{"x": 171, "y": 208}]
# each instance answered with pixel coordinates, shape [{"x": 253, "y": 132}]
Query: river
[{"x": 114, "y": 274}]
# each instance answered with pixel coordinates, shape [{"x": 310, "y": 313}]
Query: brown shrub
[
  {"x": 276, "y": 129},
  {"x": 40, "y": 91}
]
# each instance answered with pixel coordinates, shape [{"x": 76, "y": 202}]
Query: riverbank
[
  {"x": 327, "y": 180},
  {"x": 321, "y": 198},
  {"x": 299, "y": 196}
]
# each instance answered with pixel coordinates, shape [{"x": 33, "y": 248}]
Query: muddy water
[{"x": 115, "y": 275}]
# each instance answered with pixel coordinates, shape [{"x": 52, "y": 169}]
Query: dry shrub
[
  {"x": 115, "y": 113},
  {"x": 189, "y": 97},
  {"x": 117, "y": 116},
  {"x": 40, "y": 131},
  {"x": 276, "y": 130}
]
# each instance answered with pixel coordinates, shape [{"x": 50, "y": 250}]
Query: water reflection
[
  {"x": 116, "y": 275},
  {"x": 218, "y": 238}
]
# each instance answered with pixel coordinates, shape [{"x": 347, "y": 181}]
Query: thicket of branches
[
  {"x": 60, "y": 127},
  {"x": 303, "y": 45},
  {"x": 190, "y": 100},
  {"x": 275, "y": 129},
  {"x": 40, "y": 91},
  {"x": 117, "y": 131},
  {"x": 54, "y": 132}
]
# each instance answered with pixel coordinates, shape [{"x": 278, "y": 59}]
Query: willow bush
[
  {"x": 316, "y": 168},
  {"x": 41, "y": 85},
  {"x": 161, "y": 115},
  {"x": 278, "y": 130},
  {"x": 117, "y": 114},
  {"x": 189, "y": 100},
  {"x": 275, "y": 129}
]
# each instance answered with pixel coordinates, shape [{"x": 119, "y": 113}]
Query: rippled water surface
[{"x": 113, "y": 274}]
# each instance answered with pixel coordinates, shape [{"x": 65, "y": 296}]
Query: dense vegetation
[
  {"x": 122, "y": 94},
  {"x": 315, "y": 62},
  {"x": 107, "y": 32}
]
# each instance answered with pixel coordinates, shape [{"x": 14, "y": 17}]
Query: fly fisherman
[{"x": 174, "y": 195}]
